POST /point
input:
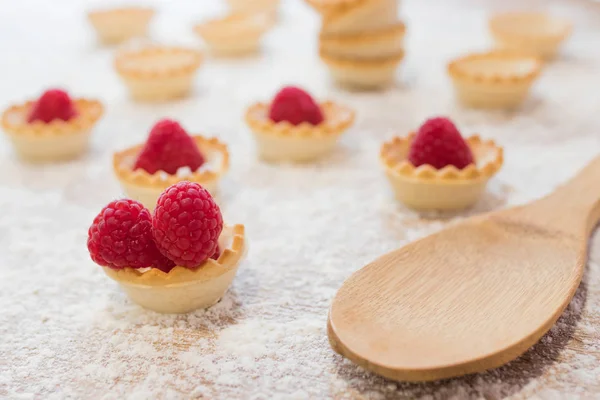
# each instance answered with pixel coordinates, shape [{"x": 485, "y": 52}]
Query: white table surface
[{"x": 67, "y": 331}]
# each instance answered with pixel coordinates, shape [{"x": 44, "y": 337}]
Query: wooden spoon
[{"x": 472, "y": 297}]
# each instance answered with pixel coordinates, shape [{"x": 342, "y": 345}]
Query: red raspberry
[
  {"x": 295, "y": 106},
  {"x": 169, "y": 148},
  {"x": 53, "y": 104},
  {"x": 438, "y": 143},
  {"x": 121, "y": 236},
  {"x": 217, "y": 253},
  {"x": 187, "y": 224}
]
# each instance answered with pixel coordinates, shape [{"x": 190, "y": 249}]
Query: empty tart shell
[
  {"x": 118, "y": 25},
  {"x": 383, "y": 43},
  {"x": 146, "y": 188},
  {"x": 158, "y": 73},
  {"x": 54, "y": 141},
  {"x": 282, "y": 141},
  {"x": 372, "y": 73},
  {"x": 269, "y": 7},
  {"x": 425, "y": 188},
  {"x": 495, "y": 79},
  {"x": 332, "y": 6},
  {"x": 234, "y": 34},
  {"x": 532, "y": 33},
  {"x": 182, "y": 290},
  {"x": 361, "y": 17}
]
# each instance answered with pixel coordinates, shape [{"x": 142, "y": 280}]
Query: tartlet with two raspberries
[
  {"x": 53, "y": 127},
  {"x": 177, "y": 259},
  {"x": 169, "y": 156},
  {"x": 295, "y": 128},
  {"x": 436, "y": 169}
]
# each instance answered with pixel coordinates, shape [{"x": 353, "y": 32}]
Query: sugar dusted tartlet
[
  {"x": 169, "y": 156},
  {"x": 117, "y": 25},
  {"x": 496, "y": 79},
  {"x": 235, "y": 34},
  {"x": 436, "y": 169},
  {"x": 531, "y": 33},
  {"x": 155, "y": 73},
  {"x": 293, "y": 127},
  {"x": 53, "y": 127},
  {"x": 176, "y": 260}
]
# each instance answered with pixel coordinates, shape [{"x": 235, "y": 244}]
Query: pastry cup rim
[
  {"x": 185, "y": 68},
  {"x": 398, "y": 29},
  {"x": 456, "y": 72},
  {"x": 146, "y": 12},
  {"x": 329, "y": 127},
  {"x": 403, "y": 169},
  {"x": 496, "y": 21},
  {"x": 209, "y": 270},
  {"x": 210, "y": 30},
  {"x": 89, "y": 112},
  {"x": 359, "y": 63},
  {"x": 141, "y": 178}
]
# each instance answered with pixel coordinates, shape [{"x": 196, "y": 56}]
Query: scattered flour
[{"x": 69, "y": 332}]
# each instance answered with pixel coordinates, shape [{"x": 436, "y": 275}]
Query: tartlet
[
  {"x": 53, "y": 141},
  {"x": 386, "y": 43},
  {"x": 370, "y": 73},
  {"x": 360, "y": 17},
  {"x": 182, "y": 290},
  {"x": 426, "y": 188},
  {"x": 118, "y": 25},
  {"x": 269, "y": 7},
  {"x": 234, "y": 34},
  {"x": 155, "y": 73},
  {"x": 496, "y": 79},
  {"x": 146, "y": 188},
  {"x": 532, "y": 33},
  {"x": 282, "y": 141}
]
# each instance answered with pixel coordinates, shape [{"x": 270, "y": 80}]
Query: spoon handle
[{"x": 574, "y": 207}]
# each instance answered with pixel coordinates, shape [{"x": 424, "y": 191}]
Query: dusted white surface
[{"x": 67, "y": 331}]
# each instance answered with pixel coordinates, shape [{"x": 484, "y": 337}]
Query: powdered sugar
[{"x": 69, "y": 332}]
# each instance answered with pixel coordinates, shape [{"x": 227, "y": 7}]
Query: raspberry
[
  {"x": 438, "y": 143},
  {"x": 187, "y": 224},
  {"x": 295, "y": 106},
  {"x": 53, "y": 104},
  {"x": 121, "y": 236},
  {"x": 217, "y": 253},
  {"x": 169, "y": 148}
]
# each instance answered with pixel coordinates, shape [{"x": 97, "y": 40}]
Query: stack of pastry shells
[{"x": 361, "y": 41}]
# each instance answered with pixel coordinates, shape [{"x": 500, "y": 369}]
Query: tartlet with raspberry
[
  {"x": 157, "y": 73},
  {"x": 295, "y": 128},
  {"x": 436, "y": 169},
  {"x": 117, "y": 25},
  {"x": 169, "y": 156},
  {"x": 496, "y": 79},
  {"x": 178, "y": 259},
  {"x": 53, "y": 127}
]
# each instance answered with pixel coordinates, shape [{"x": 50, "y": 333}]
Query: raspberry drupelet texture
[
  {"x": 169, "y": 148},
  {"x": 295, "y": 106},
  {"x": 53, "y": 104},
  {"x": 121, "y": 236},
  {"x": 187, "y": 223},
  {"x": 439, "y": 143}
]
